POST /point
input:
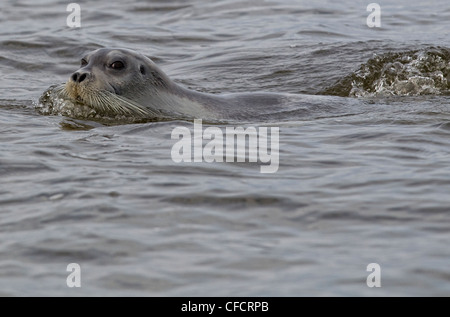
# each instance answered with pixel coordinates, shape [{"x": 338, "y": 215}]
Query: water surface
[{"x": 363, "y": 177}]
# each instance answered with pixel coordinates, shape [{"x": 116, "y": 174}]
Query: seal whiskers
[{"x": 105, "y": 102}]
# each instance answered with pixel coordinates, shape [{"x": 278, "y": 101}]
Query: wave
[{"x": 410, "y": 73}]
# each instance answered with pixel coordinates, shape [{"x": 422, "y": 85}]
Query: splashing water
[
  {"x": 412, "y": 73},
  {"x": 54, "y": 102}
]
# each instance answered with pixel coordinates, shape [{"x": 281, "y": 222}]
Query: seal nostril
[
  {"x": 82, "y": 77},
  {"x": 75, "y": 77}
]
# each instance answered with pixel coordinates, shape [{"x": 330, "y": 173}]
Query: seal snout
[{"x": 80, "y": 76}]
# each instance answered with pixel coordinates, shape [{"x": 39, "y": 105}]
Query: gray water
[{"x": 364, "y": 178}]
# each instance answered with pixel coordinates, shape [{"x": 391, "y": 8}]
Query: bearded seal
[{"x": 123, "y": 82}]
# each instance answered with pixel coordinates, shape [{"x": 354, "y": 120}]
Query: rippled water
[{"x": 363, "y": 176}]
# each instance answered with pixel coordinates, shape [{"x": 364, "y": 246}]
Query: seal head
[
  {"x": 116, "y": 80},
  {"x": 121, "y": 83}
]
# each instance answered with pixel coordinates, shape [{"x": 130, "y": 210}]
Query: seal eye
[
  {"x": 117, "y": 65},
  {"x": 83, "y": 62}
]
